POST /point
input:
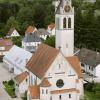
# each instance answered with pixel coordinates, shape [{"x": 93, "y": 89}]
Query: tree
[
  {"x": 50, "y": 41},
  {"x": 39, "y": 15},
  {"x": 11, "y": 23},
  {"x": 25, "y": 17}
]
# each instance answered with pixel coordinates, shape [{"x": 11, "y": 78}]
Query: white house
[
  {"x": 31, "y": 41},
  {"x": 51, "y": 29},
  {"x": 54, "y": 76},
  {"x": 90, "y": 61},
  {"x": 5, "y": 46},
  {"x": 15, "y": 60},
  {"x": 21, "y": 85},
  {"x": 12, "y": 33}
]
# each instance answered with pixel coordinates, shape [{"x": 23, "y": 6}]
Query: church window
[
  {"x": 69, "y": 95},
  {"x": 60, "y": 97},
  {"x": 60, "y": 83},
  {"x": 50, "y": 97},
  {"x": 71, "y": 73},
  {"x": 46, "y": 91},
  {"x": 26, "y": 80},
  {"x": 59, "y": 66},
  {"x": 42, "y": 91},
  {"x": 64, "y": 23},
  {"x": 69, "y": 22}
]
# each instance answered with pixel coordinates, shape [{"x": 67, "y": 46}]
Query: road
[{"x": 4, "y": 75}]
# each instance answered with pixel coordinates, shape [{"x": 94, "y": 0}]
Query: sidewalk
[{"x": 4, "y": 75}]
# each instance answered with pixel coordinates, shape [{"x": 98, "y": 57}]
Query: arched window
[
  {"x": 64, "y": 23},
  {"x": 69, "y": 22}
]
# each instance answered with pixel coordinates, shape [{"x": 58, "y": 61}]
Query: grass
[{"x": 10, "y": 89}]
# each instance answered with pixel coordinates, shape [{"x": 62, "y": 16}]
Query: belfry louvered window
[
  {"x": 64, "y": 23},
  {"x": 69, "y": 22}
]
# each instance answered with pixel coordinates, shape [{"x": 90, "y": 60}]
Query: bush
[
  {"x": 11, "y": 82},
  {"x": 88, "y": 87},
  {"x": 4, "y": 82}
]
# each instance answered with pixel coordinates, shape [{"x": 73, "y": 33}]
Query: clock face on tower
[{"x": 67, "y": 8}]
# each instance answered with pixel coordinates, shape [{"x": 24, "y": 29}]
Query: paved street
[{"x": 4, "y": 75}]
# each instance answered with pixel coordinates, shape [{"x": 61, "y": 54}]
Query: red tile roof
[
  {"x": 75, "y": 63},
  {"x": 21, "y": 77},
  {"x": 34, "y": 91},
  {"x": 41, "y": 60},
  {"x": 45, "y": 83},
  {"x": 51, "y": 26},
  {"x": 30, "y": 29}
]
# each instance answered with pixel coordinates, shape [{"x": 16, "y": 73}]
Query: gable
[
  {"x": 60, "y": 66},
  {"x": 15, "y": 33}
]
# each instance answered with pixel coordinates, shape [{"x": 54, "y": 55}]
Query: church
[{"x": 55, "y": 73}]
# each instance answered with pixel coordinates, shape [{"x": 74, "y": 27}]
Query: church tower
[{"x": 64, "y": 20}]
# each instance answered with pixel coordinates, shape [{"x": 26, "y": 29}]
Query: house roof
[
  {"x": 89, "y": 57},
  {"x": 7, "y": 43},
  {"x": 30, "y": 29},
  {"x": 42, "y": 31},
  {"x": 21, "y": 77},
  {"x": 34, "y": 91},
  {"x": 41, "y": 60},
  {"x": 75, "y": 63},
  {"x": 45, "y": 83},
  {"x": 18, "y": 57},
  {"x": 32, "y": 38},
  {"x": 51, "y": 26},
  {"x": 64, "y": 91}
]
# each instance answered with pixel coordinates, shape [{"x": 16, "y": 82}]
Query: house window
[
  {"x": 69, "y": 22},
  {"x": 60, "y": 97},
  {"x": 82, "y": 65},
  {"x": 64, "y": 23},
  {"x": 42, "y": 91},
  {"x": 69, "y": 95},
  {"x": 17, "y": 85}
]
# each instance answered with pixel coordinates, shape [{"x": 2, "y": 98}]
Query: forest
[{"x": 22, "y": 13}]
